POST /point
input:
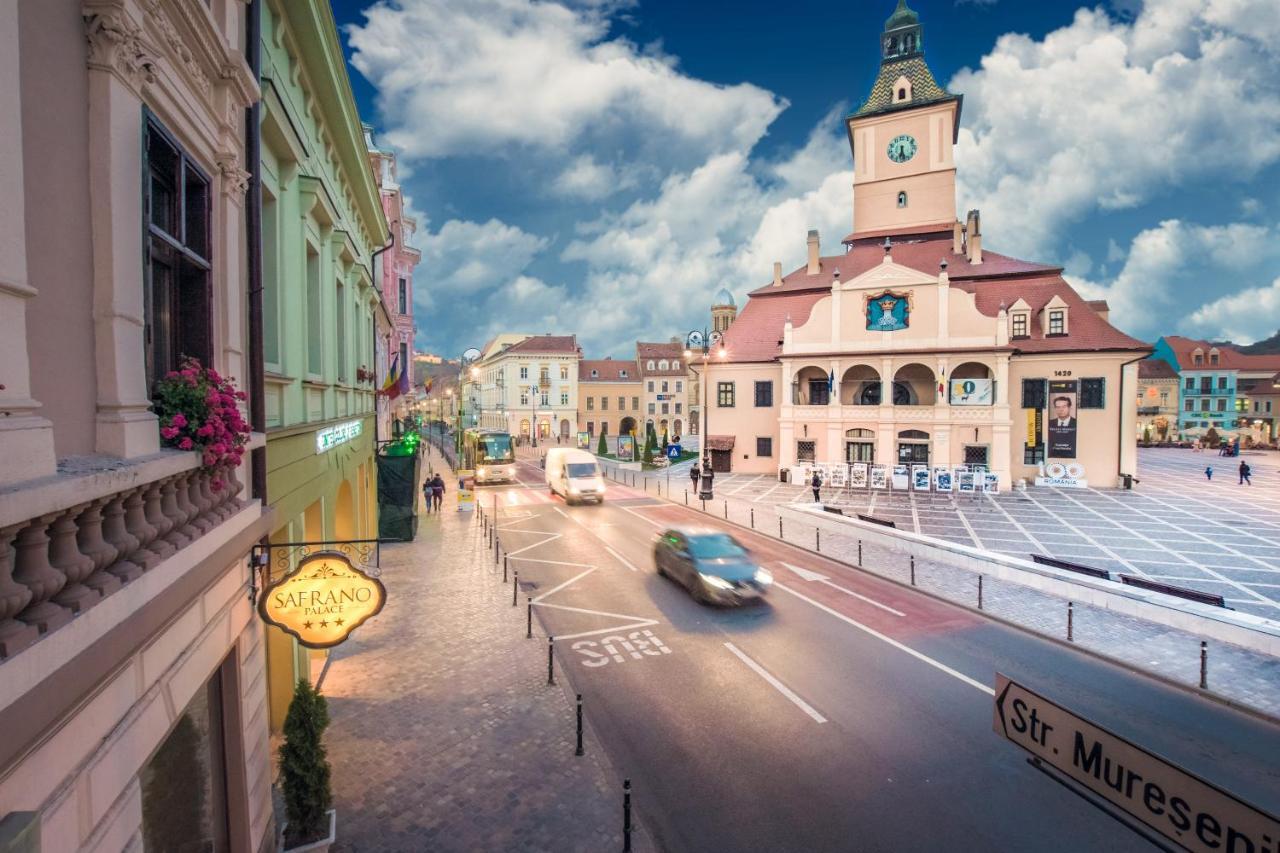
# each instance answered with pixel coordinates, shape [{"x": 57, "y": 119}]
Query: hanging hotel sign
[
  {"x": 322, "y": 599},
  {"x": 331, "y": 437},
  {"x": 888, "y": 312}
]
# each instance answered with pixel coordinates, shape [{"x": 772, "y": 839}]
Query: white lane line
[
  {"x": 556, "y": 562},
  {"x": 551, "y": 537},
  {"x": 646, "y": 518},
  {"x": 823, "y": 579},
  {"x": 765, "y": 494},
  {"x": 776, "y": 684},
  {"x": 873, "y": 632},
  {"x": 562, "y": 512},
  {"x": 556, "y": 589},
  {"x": 621, "y": 559},
  {"x": 590, "y": 612}
]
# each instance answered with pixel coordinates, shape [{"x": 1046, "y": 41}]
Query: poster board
[
  {"x": 466, "y": 490},
  {"x": 879, "y": 476},
  {"x": 942, "y": 478},
  {"x": 626, "y": 448},
  {"x": 965, "y": 482},
  {"x": 901, "y": 477},
  {"x": 858, "y": 475},
  {"x": 584, "y": 440},
  {"x": 991, "y": 483},
  {"x": 920, "y": 478},
  {"x": 972, "y": 392},
  {"x": 1062, "y": 419}
]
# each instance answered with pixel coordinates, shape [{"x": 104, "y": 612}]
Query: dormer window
[
  {"x": 650, "y": 365},
  {"x": 595, "y": 374},
  {"x": 902, "y": 198},
  {"x": 662, "y": 365},
  {"x": 1058, "y": 322},
  {"x": 1197, "y": 356},
  {"x": 901, "y": 89},
  {"x": 902, "y": 94},
  {"x": 1213, "y": 356},
  {"x": 1020, "y": 324},
  {"x": 622, "y": 374},
  {"x": 1054, "y": 318}
]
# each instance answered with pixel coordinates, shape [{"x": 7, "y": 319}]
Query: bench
[
  {"x": 1071, "y": 567},
  {"x": 1178, "y": 591},
  {"x": 879, "y": 521}
]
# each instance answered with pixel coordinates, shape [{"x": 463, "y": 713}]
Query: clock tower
[{"x": 903, "y": 138}]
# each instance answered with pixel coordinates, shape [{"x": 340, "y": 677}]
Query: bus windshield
[{"x": 494, "y": 448}]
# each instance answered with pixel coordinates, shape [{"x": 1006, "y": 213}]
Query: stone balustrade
[{"x": 66, "y": 557}]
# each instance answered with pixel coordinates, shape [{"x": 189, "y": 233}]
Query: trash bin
[
  {"x": 1128, "y": 480},
  {"x": 784, "y": 475}
]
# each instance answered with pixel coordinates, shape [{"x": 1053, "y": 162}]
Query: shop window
[
  {"x": 178, "y": 296},
  {"x": 725, "y": 395},
  {"x": 764, "y": 393},
  {"x": 1035, "y": 393},
  {"x": 764, "y": 446},
  {"x": 805, "y": 451},
  {"x": 1093, "y": 393}
]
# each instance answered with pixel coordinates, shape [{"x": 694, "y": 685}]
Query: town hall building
[{"x": 915, "y": 346}]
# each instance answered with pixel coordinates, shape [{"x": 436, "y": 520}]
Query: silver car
[{"x": 711, "y": 564}]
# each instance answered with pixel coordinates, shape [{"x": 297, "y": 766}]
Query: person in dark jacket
[
  {"x": 1245, "y": 471},
  {"x": 694, "y": 475},
  {"x": 426, "y": 493},
  {"x": 437, "y": 492},
  {"x": 816, "y": 484}
]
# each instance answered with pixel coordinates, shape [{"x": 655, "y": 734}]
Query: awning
[{"x": 720, "y": 442}]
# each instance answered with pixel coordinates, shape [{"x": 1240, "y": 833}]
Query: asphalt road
[{"x": 844, "y": 713}]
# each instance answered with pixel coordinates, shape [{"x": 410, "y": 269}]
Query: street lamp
[{"x": 704, "y": 342}]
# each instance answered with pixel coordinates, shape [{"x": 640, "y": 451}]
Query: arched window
[
  {"x": 662, "y": 365},
  {"x": 902, "y": 198},
  {"x": 595, "y": 374},
  {"x": 914, "y": 434},
  {"x": 650, "y": 364},
  {"x": 902, "y": 94}
]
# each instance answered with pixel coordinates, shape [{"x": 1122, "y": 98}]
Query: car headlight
[
  {"x": 573, "y": 490},
  {"x": 715, "y": 581},
  {"x": 481, "y": 471},
  {"x": 764, "y": 577}
]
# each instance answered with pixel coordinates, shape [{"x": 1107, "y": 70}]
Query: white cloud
[
  {"x": 475, "y": 256},
  {"x": 589, "y": 180},
  {"x": 1104, "y": 114},
  {"x": 1242, "y": 317}
]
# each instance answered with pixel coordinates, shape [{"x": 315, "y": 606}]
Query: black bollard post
[
  {"x": 859, "y": 552},
  {"x": 753, "y": 518},
  {"x": 1070, "y": 626},
  {"x": 505, "y": 558},
  {"x": 913, "y": 569},
  {"x": 1204, "y": 665},
  {"x": 515, "y": 586},
  {"x": 551, "y": 660},
  {"x": 496, "y": 547},
  {"x": 780, "y": 527},
  {"x": 686, "y": 497},
  {"x": 626, "y": 816},
  {"x": 979, "y": 592},
  {"x": 579, "y": 750},
  {"x": 726, "y": 508},
  {"x": 528, "y": 632},
  {"x": 704, "y": 504},
  {"x": 817, "y": 539}
]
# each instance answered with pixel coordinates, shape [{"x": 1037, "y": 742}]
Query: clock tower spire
[{"x": 902, "y": 138}]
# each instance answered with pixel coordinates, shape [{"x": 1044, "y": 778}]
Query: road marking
[
  {"x": 555, "y": 589},
  {"x": 873, "y": 632},
  {"x": 638, "y": 644},
  {"x": 644, "y": 623},
  {"x": 777, "y": 685},
  {"x": 766, "y": 494},
  {"x": 808, "y": 575},
  {"x": 621, "y": 559},
  {"x": 562, "y": 512},
  {"x": 638, "y": 515},
  {"x": 556, "y": 562}
]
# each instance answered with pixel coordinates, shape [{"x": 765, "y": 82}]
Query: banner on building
[
  {"x": 972, "y": 392},
  {"x": 1062, "y": 419},
  {"x": 1035, "y": 428}
]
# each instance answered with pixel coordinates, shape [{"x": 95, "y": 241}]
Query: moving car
[
  {"x": 711, "y": 564},
  {"x": 574, "y": 475}
]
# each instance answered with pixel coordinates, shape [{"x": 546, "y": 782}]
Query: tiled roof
[
  {"x": 1086, "y": 330},
  {"x": 672, "y": 351},
  {"x": 1156, "y": 368},
  {"x": 551, "y": 344},
  {"x": 924, "y": 89},
  {"x": 1229, "y": 358},
  {"x": 757, "y": 333},
  {"x": 921, "y": 253},
  {"x": 607, "y": 370}
]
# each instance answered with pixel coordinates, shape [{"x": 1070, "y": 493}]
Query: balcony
[{"x": 70, "y": 541}]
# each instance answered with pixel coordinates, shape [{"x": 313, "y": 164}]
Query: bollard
[
  {"x": 726, "y": 509},
  {"x": 1070, "y": 620},
  {"x": 528, "y": 632},
  {"x": 626, "y": 816},
  {"x": 686, "y": 497},
  {"x": 1204, "y": 665},
  {"x": 497, "y": 546},
  {"x": 913, "y": 569},
  {"x": 859, "y": 552},
  {"x": 505, "y": 557},
  {"x": 704, "y": 504},
  {"x": 579, "y": 750},
  {"x": 515, "y": 586},
  {"x": 551, "y": 660},
  {"x": 979, "y": 592},
  {"x": 753, "y": 518},
  {"x": 779, "y": 527},
  {"x": 817, "y": 539}
]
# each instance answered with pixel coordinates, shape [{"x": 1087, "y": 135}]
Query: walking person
[
  {"x": 1245, "y": 471},
  {"x": 816, "y": 485},
  {"x": 437, "y": 491},
  {"x": 695, "y": 475},
  {"x": 426, "y": 494},
  {"x": 1208, "y": 472}
]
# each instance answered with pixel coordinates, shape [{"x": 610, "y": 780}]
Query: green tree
[
  {"x": 304, "y": 769},
  {"x": 1211, "y": 438},
  {"x": 603, "y": 447}
]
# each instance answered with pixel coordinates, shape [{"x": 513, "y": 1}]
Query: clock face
[{"x": 902, "y": 148}]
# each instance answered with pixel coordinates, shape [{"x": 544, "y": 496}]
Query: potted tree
[
  {"x": 311, "y": 823},
  {"x": 602, "y": 449}
]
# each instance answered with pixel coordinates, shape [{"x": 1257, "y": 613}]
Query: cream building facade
[
  {"x": 527, "y": 386},
  {"x": 610, "y": 399}
]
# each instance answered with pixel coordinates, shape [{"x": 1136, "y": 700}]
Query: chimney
[
  {"x": 777, "y": 273},
  {"x": 974, "y": 230},
  {"x": 957, "y": 238},
  {"x": 814, "y": 265}
]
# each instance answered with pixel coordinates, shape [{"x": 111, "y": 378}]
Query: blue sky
[{"x": 603, "y": 167}]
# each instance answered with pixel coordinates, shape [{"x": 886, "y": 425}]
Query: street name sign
[
  {"x": 1176, "y": 804},
  {"x": 322, "y": 599}
]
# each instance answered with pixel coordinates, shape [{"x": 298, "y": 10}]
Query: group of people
[
  {"x": 1244, "y": 470},
  {"x": 433, "y": 492}
]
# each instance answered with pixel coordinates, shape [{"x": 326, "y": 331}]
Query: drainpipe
[
  {"x": 253, "y": 244},
  {"x": 373, "y": 338},
  {"x": 1120, "y": 414}
]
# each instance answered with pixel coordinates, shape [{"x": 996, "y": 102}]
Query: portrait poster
[
  {"x": 941, "y": 478},
  {"x": 626, "y": 448},
  {"x": 991, "y": 483},
  {"x": 1062, "y": 419},
  {"x": 858, "y": 475},
  {"x": 965, "y": 482},
  {"x": 879, "y": 476},
  {"x": 920, "y": 478},
  {"x": 901, "y": 477}
]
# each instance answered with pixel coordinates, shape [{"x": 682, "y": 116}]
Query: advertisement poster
[
  {"x": 879, "y": 476},
  {"x": 584, "y": 440},
  {"x": 901, "y": 476},
  {"x": 626, "y": 448},
  {"x": 466, "y": 490},
  {"x": 920, "y": 478},
  {"x": 858, "y": 475},
  {"x": 972, "y": 392},
  {"x": 1062, "y": 419},
  {"x": 991, "y": 483},
  {"x": 965, "y": 482},
  {"x": 1035, "y": 429},
  {"x": 941, "y": 479}
]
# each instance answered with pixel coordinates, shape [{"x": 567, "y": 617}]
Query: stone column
[
  {"x": 26, "y": 439},
  {"x": 119, "y": 68}
]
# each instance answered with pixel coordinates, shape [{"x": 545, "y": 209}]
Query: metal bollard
[
  {"x": 551, "y": 660},
  {"x": 780, "y": 527},
  {"x": 753, "y": 518},
  {"x": 1070, "y": 621},
  {"x": 913, "y": 569},
  {"x": 704, "y": 504},
  {"x": 515, "y": 587},
  {"x": 626, "y": 816},
  {"x": 726, "y": 509},
  {"x": 1204, "y": 665},
  {"x": 505, "y": 557},
  {"x": 528, "y": 631},
  {"x": 979, "y": 592},
  {"x": 859, "y": 552},
  {"x": 497, "y": 546},
  {"x": 686, "y": 497},
  {"x": 579, "y": 750},
  {"x": 817, "y": 539}
]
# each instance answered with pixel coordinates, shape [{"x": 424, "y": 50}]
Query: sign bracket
[{"x": 278, "y": 557}]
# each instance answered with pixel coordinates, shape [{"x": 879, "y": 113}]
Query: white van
[{"x": 574, "y": 475}]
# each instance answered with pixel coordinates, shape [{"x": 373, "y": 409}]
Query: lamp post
[{"x": 704, "y": 342}]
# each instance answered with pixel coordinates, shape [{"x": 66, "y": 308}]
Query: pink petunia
[
  {"x": 179, "y": 420},
  {"x": 168, "y": 432},
  {"x": 186, "y": 444}
]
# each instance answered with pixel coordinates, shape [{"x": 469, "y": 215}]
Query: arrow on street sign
[{"x": 810, "y": 575}]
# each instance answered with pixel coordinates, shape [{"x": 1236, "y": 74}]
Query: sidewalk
[
  {"x": 445, "y": 734},
  {"x": 1239, "y": 675}
]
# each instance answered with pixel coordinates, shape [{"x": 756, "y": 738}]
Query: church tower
[
  {"x": 723, "y": 311},
  {"x": 902, "y": 139}
]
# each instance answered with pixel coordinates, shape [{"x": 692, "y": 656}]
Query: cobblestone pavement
[
  {"x": 1176, "y": 526},
  {"x": 445, "y": 734},
  {"x": 1238, "y": 674}
]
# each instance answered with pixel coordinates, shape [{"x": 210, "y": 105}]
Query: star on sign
[
  {"x": 306, "y": 624},
  {"x": 324, "y": 623},
  {"x": 338, "y": 621}
]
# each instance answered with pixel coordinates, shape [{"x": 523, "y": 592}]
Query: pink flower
[
  {"x": 240, "y": 395},
  {"x": 178, "y": 420},
  {"x": 168, "y": 432},
  {"x": 219, "y": 448},
  {"x": 186, "y": 444},
  {"x": 205, "y": 431},
  {"x": 215, "y": 484}
]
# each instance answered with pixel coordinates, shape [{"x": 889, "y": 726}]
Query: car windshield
[
  {"x": 715, "y": 546},
  {"x": 582, "y": 469}
]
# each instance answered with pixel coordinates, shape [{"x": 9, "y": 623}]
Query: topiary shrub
[
  {"x": 304, "y": 770},
  {"x": 603, "y": 447}
]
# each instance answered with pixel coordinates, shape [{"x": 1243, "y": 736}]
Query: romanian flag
[
  {"x": 426, "y": 386},
  {"x": 391, "y": 385}
]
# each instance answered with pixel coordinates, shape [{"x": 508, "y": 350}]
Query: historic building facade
[
  {"x": 327, "y": 330},
  {"x": 1157, "y": 401},
  {"x": 1218, "y": 385},
  {"x": 610, "y": 399},
  {"x": 915, "y": 345},
  {"x": 528, "y": 386},
  {"x": 130, "y": 655},
  {"x": 666, "y": 387}
]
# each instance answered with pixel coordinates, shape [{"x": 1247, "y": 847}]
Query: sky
[{"x": 604, "y": 167}]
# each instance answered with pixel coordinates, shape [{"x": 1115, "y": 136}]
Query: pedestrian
[
  {"x": 426, "y": 494},
  {"x": 437, "y": 491},
  {"x": 1245, "y": 471},
  {"x": 1208, "y": 472},
  {"x": 816, "y": 484},
  {"x": 695, "y": 474}
]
